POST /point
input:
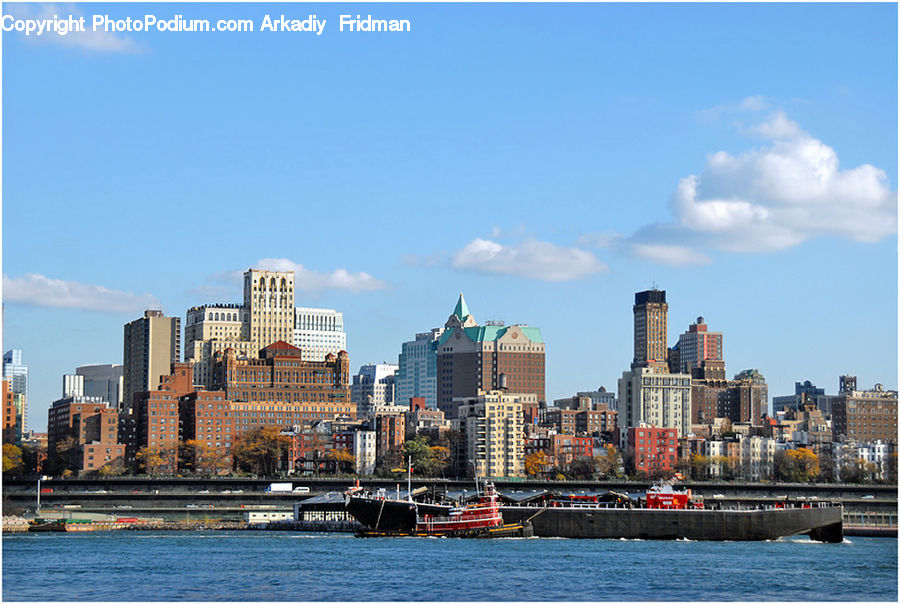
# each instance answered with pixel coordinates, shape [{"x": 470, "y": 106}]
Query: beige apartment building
[
  {"x": 266, "y": 316},
  {"x": 493, "y": 438},
  {"x": 152, "y": 343}
]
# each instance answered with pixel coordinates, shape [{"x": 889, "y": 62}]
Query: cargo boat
[{"x": 662, "y": 514}]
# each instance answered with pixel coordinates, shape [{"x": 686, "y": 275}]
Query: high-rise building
[
  {"x": 417, "y": 369},
  {"x": 650, "y": 330},
  {"x": 16, "y": 372},
  {"x": 88, "y": 429},
  {"x": 152, "y": 344},
  {"x": 865, "y": 416},
  {"x": 373, "y": 387},
  {"x": 743, "y": 399},
  {"x": 695, "y": 346},
  {"x": 267, "y": 315},
  {"x": 473, "y": 358},
  {"x": 319, "y": 332},
  {"x": 492, "y": 435},
  {"x": 658, "y": 400},
  {"x": 105, "y": 381}
]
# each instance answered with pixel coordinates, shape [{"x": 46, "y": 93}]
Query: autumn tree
[
  {"x": 12, "y": 460},
  {"x": 151, "y": 459},
  {"x": 536, "y": 463},
  {"x": 64, "y": 455},
  {"x": 260, "y": 450},
  {"x": 797, "y": 465},
  {"x": 699, "y": 466},
  {"x": 343, "y": 461},
  {"x": 609, "y": 463},
  {"x": 114, "y": 468}
]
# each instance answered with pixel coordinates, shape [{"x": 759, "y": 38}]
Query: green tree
[
  {"x": 261, "y": 450},
  {"x": 12, "y": 460},
  {"x": 427, "y": 460},
  {"x": 584, "y": 468}
]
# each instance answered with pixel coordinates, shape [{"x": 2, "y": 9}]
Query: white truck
[{"x": 279, "y": 487}]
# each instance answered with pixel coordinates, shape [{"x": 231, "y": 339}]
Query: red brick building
[
  {"x": 390, "y": 434},
  {"x": 207, "y": 427},
  {"x": 283, "y": 386},
  {"x": 156, "y": 421},
  {"x": 12, "y": 416},
  {"x": 93, "y": 428},
  {"x": 655, "y": 449},
  {"x": 565, "y": 448}
]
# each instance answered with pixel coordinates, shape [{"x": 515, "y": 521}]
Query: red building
[
  {"x": 566, "y": 448},
  {"x": 89, "y": 430},
  {"x": 655, "y": 449},
  {"x": 12, "y": 416}
]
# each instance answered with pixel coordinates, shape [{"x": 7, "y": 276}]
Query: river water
[{"x": 287, "y": 566}]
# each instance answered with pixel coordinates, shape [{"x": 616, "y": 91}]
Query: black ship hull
[
  {"x": 391, "y": 514},
  {"x": 820, "y": 523}
]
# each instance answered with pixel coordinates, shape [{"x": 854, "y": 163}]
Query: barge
[{"x": 662, "y": 514}]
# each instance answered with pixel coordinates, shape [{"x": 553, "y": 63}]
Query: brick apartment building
[
  {"x": 655, "y": 449},
  {"x": 864, "y": 415},
  {"x": 301, "y": 390},
  {"x": 12, "y": 415},
  {"x": 94, "y": 429},
  {"x": 565, "y": 448}
]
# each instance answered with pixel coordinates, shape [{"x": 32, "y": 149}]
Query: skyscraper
[
  {"x": 267, "y": 315},
  {"x": 650, "y": 330},
  {"x": 319, "y": 332},
  {"x": 373, "y": 387},
  {"x": 152, "y": 344},
  {"x": 648, "y": 394},
  {"x": 16, "y": 372},
  {"x": 417, "y": 369},
  {"x": 696, "y": 346},
  {"x": 473, "y": 358},
  {"x": 104, "y": 381}
]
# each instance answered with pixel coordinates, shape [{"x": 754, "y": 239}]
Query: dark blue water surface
[{"x": 282, "y": 566}]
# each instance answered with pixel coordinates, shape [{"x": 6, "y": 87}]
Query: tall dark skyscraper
[{"x": 650, "y": 330}]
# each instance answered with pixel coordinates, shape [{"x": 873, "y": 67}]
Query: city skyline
[{"x": 540, "y": 161}]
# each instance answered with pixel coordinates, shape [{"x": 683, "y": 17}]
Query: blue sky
[{"x": 546, "y": 160}]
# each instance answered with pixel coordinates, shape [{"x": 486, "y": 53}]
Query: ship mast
[{"x": 409, "y": 480}]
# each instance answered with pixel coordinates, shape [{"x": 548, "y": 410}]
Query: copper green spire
[{"x": 461, "y": 310}]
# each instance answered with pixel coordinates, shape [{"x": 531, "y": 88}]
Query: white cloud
[
  {"x": 97, "y": 41},
  {"x": 673, "y": 255},
  {"x": 777, "y": 127},
  {"x": 750, "y": 104},
  {"x": 531, "y": 258},
  {"x": 309, "y": 280},
  {"x": 38, "y": 290},
  {"x": 776, "y": 197}
]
